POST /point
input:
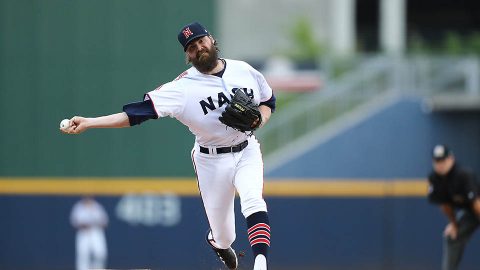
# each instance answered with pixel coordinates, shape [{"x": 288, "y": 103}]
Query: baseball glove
[{"x": 241, "y": 113}]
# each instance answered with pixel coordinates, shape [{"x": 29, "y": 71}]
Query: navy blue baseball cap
[
  {"x": 440, "y": 152},
  {"x": 190, "y": 32}
]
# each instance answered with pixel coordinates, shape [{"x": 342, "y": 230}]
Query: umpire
[{"x": 456, "y": 191}]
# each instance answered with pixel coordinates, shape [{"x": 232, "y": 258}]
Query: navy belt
[{"x": 222, "y": 150}]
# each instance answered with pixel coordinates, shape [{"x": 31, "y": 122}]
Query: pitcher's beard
[{"x": 206, "y": 63}]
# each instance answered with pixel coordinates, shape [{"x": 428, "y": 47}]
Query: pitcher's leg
[
  {"x": 249, "y": 179},
  {"x": 254, "y": 209},
  {"x": 221, "y": 219},
  {"x": 249, "y": 184},
  {"x": 259, "y": 238},
  {"x": 215, "y": 182}
]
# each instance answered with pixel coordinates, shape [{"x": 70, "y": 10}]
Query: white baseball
[{"x": 65, "y": 123}]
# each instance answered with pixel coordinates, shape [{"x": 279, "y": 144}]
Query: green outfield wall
[{"x": 84, "y": 57}]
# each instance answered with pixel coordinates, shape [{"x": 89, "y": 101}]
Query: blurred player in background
[
  {"x": 456, "y": 190},
  {"x": 89, "y": 219},
  {"x": 226, "y": 160}
]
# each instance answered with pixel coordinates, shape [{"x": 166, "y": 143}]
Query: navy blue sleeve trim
[
  {"x": 270, "y": 103},
  {"x": 139, "y": 112}
]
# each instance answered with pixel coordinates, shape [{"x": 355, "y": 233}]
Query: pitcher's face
[{"x": 202, "y": 54}]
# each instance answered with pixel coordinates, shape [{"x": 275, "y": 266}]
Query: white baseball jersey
[{"x": 197, "y": 100}]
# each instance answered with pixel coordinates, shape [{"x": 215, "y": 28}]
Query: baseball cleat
[{"x": 227, "y": 256}]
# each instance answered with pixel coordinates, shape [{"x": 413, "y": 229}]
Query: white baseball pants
[{"x": 219, "y": 176}]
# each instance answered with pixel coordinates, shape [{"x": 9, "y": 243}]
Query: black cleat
[{"x": 227, "y": 256}]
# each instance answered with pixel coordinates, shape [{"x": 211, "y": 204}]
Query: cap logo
[
  {"x": 439, "y": 151},
  {"x": 187, "y": 32}
]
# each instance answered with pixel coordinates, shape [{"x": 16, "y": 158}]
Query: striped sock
[{"x": 259, "y": 233}]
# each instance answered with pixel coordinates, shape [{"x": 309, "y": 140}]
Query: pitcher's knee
[
  {"x": 223, "y": 240},
  {"x": 253, "y": 205}
]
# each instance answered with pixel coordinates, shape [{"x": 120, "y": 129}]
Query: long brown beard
[{"x": 206, "y": 61}]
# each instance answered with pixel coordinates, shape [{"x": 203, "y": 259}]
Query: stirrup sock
[{"x": 259, "y": 233}]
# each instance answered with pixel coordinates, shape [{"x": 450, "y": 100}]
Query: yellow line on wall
[
  {"x": 188, "y": 187},
  {"x": 347, "y": 188},
  {"x": 96, "y": 186}
]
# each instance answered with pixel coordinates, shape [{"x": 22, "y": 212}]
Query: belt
[{"x": 222, "y": 150}]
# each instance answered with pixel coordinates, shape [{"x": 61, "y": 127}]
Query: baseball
[{"x": 65, "y": 123}]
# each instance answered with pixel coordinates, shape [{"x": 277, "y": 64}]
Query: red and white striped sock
[{"x": 259, "y": 233}]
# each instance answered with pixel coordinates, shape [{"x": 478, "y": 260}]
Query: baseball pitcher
[{"x": 222, "y": 102}]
